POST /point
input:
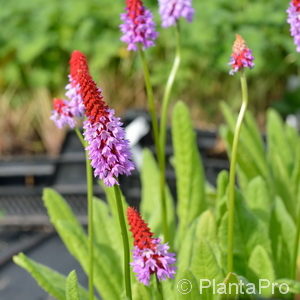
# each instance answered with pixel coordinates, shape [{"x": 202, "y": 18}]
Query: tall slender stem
[
  {"x": 231, "y": 189},
  {"x": 167, "y": 92},
  {"x": 80, "y": 137},
  {"x": 159, "y": 288},
  {"x": 163, "y": 132},
  {"x": 151, "y": 102},
  {"x": 89, "y": 179},
  {"x": 296, "y": 246},
  {"x": 125, "y": 240},
  {"x": 160, "y": 154},
  {"x": 89, "y": 176}
]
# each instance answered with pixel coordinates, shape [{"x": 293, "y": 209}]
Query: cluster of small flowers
[
  {"x": 138, "y": 27},
  {"x": 149, "y": 255},
  {"x": 172, "y": 10},
  {"x": 241, "y": 56},
  {"x": 67, "y": 112},
  {"x": 106, "y": 144},
  {"x": 294, "y": 21}
]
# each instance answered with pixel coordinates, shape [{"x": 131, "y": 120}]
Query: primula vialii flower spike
[
  {"x": 62, "y": 114},
  {"x": 66, "y": 112},
  {"x": 138, "y": 26},
  {"x": 294, "y": 21},
  {"x": 150, "y": 256},
  {"x": 107, "y": 147},
  {"x": 171, "y": 10},
  {"x": 241, "y": 56}
]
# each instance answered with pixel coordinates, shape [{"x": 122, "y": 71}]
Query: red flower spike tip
[
  {"x": 150, "y": 256},
  {"x": 296, "y": 3},
  {"x": 95, "y": 107},
  {"x": 140, "y": 230},
  {"x": 135, "y": 8}
]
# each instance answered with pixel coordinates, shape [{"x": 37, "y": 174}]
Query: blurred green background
[{"x": 37, "y": 36}]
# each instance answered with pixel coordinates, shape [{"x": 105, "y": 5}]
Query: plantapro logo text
[{"x": 243, "y": 288}]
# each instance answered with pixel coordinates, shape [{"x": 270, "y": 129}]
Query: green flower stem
[
  {"x": 163, "y": 131},
  {"x": 296, "y": 246},
  {"x": 231, "y": 188},
  {"x": 125, "y": 241},
  {"x": 159, "y": 289},
  {"x": 151, "y": 102},
  {"x": 167, "y": 93},
  {"x": 160, "y": 154},
  {"x": 80, "y": 137},
  {"x": 89, "y": 178}
]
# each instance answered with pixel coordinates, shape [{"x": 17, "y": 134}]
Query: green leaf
[
  {"x": 105, "y": 260},
  {"x": 72, "y": 292},
  {"x": 185, "y": 252},
  {"x": 51, "y": 281},
  {"x": 190, "y": 180},
  {"x": 107, "y": 228},
  {"x": 75, "y": 239},
  {"x": 222, "y": 182},
  {"x": 251, "y": 155},
  {"x": 282, "y": 140},
  {"x": 206, "y": 227},
  {"x": 140, "y": 292},
  {"x": 221, "y": 205},
  {"x": 282, "y": 233},
  {"x": 205, "y": 265},
  {"x": 258, "y": 198},
  {"x": 232, "y": 290},
  {"x": 245, "y": 167},
  {"x": 110, "y": 197},
  {"x": 293, "y": 285},
  {"x": 249, "y": 231},
  {"x": 277, "y": 139},
  {"x": 151, "y": 204},
  {"x": 187, "y": 287},
  {"x": 261, "y": 265},
  {"x": 58, "y": 208}
]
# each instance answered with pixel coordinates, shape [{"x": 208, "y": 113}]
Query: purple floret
[
  {"x": 294, "y": 21},
  {"x": 107, "y": 148},
  {"x": 153, "y": 261},
  {"x": 138, "y": 26},
  {"x": 172, "y": 10}
]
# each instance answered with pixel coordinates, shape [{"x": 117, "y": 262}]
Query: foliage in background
[
  {"x": 38, "y": 37},
  {"x": 265, "y": 226}
]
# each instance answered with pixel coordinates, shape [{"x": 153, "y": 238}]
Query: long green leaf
[
  {"x": 205, "y": 266},
  {"x": 105, "y": 260},
  {"x": 75, "y": 239},
  {"x": 249, "y": 231},
  {"x": 187, "y": 287},
  {"x": 251, "y": 148},
  {"x": 150, "y": 204},
  {"x": 188, "y": 168},
  {"x": 282, "y": 233},
  {"x": 258, "y": 198},
  {"x": 107, "y": 228},
  {"x": 51, "y": 281},
  {"x": 261, "y": 265}
]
